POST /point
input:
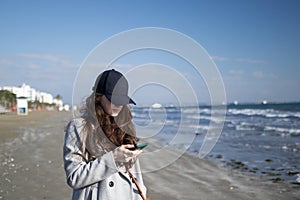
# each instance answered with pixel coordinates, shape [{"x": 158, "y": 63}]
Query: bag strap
[{"x": 137, "y": 185}]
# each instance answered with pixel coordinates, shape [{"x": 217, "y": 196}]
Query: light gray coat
[{"x": 98, "y": 179}]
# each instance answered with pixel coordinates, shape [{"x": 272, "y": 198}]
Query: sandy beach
[{"x": 32, "y": 167}]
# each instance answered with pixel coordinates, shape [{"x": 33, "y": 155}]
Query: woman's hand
[{"x": 123, "y": 154}]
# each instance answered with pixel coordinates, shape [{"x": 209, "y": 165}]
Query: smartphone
[{"x": 139, "y": 146}]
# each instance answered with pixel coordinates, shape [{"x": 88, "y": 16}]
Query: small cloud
[
  {"x": 219, "y": 58},
  {"x": 261, "y": 75},
  {"x": 236, "y": 72},
  {"x": 41, "y": 69},
  {"x": 46, "y": 57},
  {"x": 258, "y": 74},
  {"x": 252, "y": 61}
]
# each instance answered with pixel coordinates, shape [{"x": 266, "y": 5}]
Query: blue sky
[{"x": 255, "y": 44}]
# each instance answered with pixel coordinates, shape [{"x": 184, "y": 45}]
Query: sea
[{"x": 262, "y": 139}]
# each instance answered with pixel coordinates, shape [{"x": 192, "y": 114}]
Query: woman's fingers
[
  {"x": 123, "y": 154},
  {"x": 132, "y": 153},
  {"x": 127, "y": 146}
]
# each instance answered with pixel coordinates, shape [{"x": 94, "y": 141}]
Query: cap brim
[{"x": 119, "y": 100}]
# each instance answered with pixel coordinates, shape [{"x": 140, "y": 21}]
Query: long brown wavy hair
[{"x": 103, "y": 133}]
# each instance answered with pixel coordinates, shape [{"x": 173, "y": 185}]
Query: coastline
[
  {"x": 32, "y": 167},
  {"x": 190, "y": 177}
]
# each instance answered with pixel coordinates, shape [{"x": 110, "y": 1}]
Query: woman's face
[{"x": 110, "y": 108}]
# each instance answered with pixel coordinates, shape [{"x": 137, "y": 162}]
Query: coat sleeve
[{"x": 80, "y": 174}]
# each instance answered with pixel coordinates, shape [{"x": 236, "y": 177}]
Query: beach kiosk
[{"x": 22, "y": 106}]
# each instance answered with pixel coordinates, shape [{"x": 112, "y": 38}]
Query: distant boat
[
  {"x": 156, "y": 105},
  {"x": 235, "y": 102},
  {"x": 264, "y": 102}
]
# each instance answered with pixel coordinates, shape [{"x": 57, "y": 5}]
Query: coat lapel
[{"x": 125, "y": 176}]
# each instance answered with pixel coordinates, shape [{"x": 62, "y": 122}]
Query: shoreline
[
  {"x": 190, "y": 177},
  {"x": 32, "y": 167}
]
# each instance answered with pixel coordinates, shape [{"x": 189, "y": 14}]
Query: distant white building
[
  {"x": 23, "y": 91},
  {"x": 29, "y": 93},
  {"x": 44, "y": 97},
  {"x": 58, "y": 102}
]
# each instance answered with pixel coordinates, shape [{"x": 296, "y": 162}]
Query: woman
[{"x": 97, "y": 156}]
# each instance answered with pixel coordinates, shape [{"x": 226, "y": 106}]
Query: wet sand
[
  {"x": 192, "y": 178},
  {"x": 32, "y": 167}
]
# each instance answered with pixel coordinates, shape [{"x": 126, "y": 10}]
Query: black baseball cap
[{"x": 114, "y": 86}]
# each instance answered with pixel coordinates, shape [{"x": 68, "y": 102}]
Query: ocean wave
[
  {"x": 283, "y": 130},
  {"x": 244, "y": 128},
  {"x": 270, "y": 113}
]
